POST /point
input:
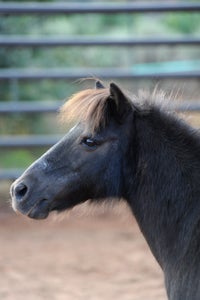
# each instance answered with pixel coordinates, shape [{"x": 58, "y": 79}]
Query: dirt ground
[{"x": 85, "y": 254}]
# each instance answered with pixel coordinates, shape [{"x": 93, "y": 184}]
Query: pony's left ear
[
  {"x": 99, "y": 85},
  {"x": 121, "y": 105}
]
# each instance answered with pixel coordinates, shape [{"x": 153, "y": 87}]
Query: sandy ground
[{"x": 78, "y": 256}]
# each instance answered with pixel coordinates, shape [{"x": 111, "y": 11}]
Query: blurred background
[{"x": 46, "y": 47}]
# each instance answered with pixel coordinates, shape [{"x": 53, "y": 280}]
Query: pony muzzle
[{"x": 22, "y": 202}]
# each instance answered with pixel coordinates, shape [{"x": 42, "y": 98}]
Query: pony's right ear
[
  {"x": 99, "y": 85},
  {"x": 119, "y": 103}
]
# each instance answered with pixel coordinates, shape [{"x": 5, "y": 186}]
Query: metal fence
[
  {"x": 82, "y": 8},
  {"x": 91, "y": 7}
]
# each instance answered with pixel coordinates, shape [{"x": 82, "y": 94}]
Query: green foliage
[
  {"x": 184, "y": 23},
  {"x": 18, "y": 158}
]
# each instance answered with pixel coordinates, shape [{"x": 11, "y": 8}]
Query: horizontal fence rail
[
  {"x": 123, "y": 73},
  {"x": 53, "y": 107},
  {"x": 10, "y": 174},
  {"x": 23, "y": 41},
  {"x": 87, "y": 8},
  {"x": 28, "y": 141},
  {"x": 30, "y": 107}
]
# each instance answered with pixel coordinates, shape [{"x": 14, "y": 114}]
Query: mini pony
[{"x": 123, "y": 149}]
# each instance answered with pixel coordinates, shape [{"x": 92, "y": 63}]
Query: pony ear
[
  {"x": 99, "y": 85},
  {"x": 121, "y": 104}
]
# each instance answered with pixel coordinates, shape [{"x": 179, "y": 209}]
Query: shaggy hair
[{"x": 90, "y": 106}]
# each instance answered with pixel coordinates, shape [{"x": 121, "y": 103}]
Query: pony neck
[{"x": 165, "y": 198}]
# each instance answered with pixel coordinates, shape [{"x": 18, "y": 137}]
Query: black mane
[{"x": 165, "y": 197}]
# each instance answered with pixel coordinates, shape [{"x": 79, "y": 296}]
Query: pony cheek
[{"x": 68, "y": 193}]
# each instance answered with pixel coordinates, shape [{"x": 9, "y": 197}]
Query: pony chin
[{"x": 39, "y": 210}]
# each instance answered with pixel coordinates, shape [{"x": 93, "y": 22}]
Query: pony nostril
[{"x": 20, "y": 191}]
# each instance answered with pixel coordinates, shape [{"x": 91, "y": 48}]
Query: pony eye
[{"x": 89, "y": 143}]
